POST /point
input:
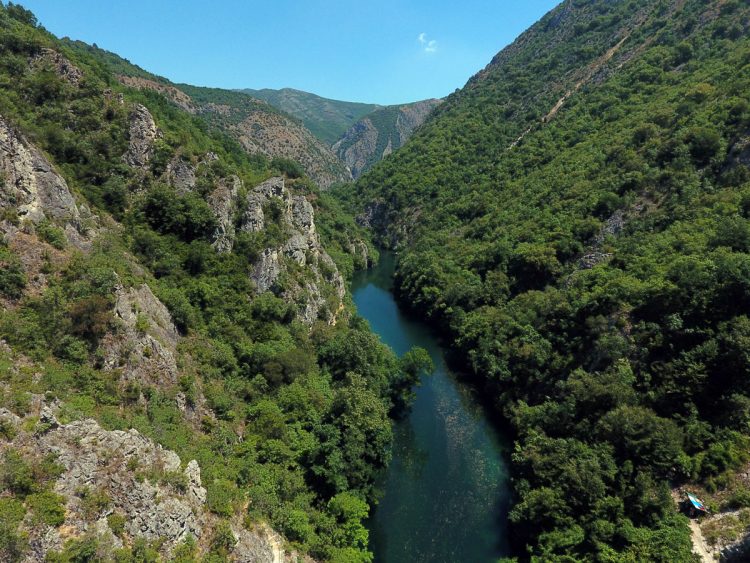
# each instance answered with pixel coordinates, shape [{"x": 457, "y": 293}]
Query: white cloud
[{"x": 429, "y": 45}]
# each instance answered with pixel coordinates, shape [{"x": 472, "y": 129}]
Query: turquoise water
[{"x": 446, "y": 490}]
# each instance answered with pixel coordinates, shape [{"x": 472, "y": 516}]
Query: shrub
[
  {"x": 16, "y": 474},
  {"x": 188, "y": 217},
  {"x": 176, "y": 479},
  {"x": 51, "y": 234},
  {"x": 92, "y": 501},
  {"x": 12, "y": 277},
  {"x": 90, "y": 317},
  {"x": 288, "y": 167},
  {"x": 47, "y": 507},
  {"x": 186, "y": 551},
  {"x": 116, "y": 522},
  {"x": 220, "y": 497},
  {"x": 704, "y": 144},
  {"x": 223, "y": 540}
]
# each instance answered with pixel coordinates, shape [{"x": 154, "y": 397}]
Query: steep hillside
[
  {"x": 326, "y": 119},
  {"x": 380, "y": 133},
  {"x": 261, "y": 130},
  {"x": 577, "y": 221},
  {"x": 259, "y": 127},
  {"x": 181, "y": 374}
]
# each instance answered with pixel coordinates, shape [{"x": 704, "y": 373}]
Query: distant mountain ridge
[
  {"x": 327, "y": 119},
  {"x": 360, "y": 134},
  {"x": 378, "y": 134}
]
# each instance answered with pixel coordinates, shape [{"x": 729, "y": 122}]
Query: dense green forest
[
  {"x": 589, "y": 262},
  {"x": 296, "y": 418}
]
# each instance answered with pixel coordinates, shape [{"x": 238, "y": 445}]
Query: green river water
[{"x": 446, "y": 490}]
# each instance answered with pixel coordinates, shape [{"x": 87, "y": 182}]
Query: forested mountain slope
[
  {"x": 179, "y": 364},
  {"x": 577, "y": 220},
  {"x": 379, "y": 133},
  {"x": 327, "y": 119},
  {"x": 261, "y": 128}
]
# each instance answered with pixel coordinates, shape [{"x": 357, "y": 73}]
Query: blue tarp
[{"x": 697, "y": 504}]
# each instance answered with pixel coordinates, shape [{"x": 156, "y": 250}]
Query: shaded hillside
[
  {"x": 326, "y": 119},
  {"x": 182, "y": 377},
  {"x": 380, "y": 133},
  {"x": 258, "y": 126},
  {"x": 577, "y": 221}
]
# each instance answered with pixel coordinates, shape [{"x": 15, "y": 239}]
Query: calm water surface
[{"x": 446, "y": 490}]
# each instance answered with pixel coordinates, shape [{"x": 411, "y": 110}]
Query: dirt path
[{"x": 699, "y": 544}]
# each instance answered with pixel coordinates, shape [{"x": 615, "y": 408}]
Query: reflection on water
[{"x": 446, "y": 490}]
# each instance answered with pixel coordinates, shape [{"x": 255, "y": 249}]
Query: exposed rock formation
[
  {"x": 376, "y": 136},
  {"x": 142, "y": 482},
  {"x": 144, "y": 343},
  {"x": 49, "y": 58},
  {"x": 175, "y": 95},
  {"x": 301, "y": 247},
  {"x": 358, "y": 147},
  {"x": 222, "y": 203},
  {"x": 143, "y": 133},
  {"x": 29, "y": 185},
  {"x": 181, "y": 175}
]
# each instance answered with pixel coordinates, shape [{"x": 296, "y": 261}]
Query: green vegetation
[
  {"x": 301, "y": 425},
  {"x": 326, "y": 119},
  {"x": 593, "y": 272}
]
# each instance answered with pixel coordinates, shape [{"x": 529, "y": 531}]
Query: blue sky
[{"x": 382, "y": 51}]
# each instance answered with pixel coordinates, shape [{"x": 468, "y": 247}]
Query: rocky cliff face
[
  {"x": 143, "y": 133},
  {"x": 147, "y": 487},
  {"x": 30, "y": 185},
  {"x": 223, "y": 203},
  {"x": 323, "y": 289},
  {"x": 59, "y": 64},
  {"x": 379, "y": 134},
  {"x": 33, "y": 193},
  {"x": 143, "y": 344}
]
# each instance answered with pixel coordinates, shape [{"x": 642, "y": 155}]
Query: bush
[
  {"x": 704, "y": 144},
  {"x": 223, "y": 540},
  {"x": 92, "y": 501},
  {"x": 288, "y": 167},
  {"x": 220, "y": 497},
  {"x": 16, "y": 474},
  {"x": 12, "y": 277},
  {"x": 116, "y": 522},
  {"x": 90, "y": 317},
  {"x": 47, "y": 507},
  {"x": 188, "y": 217},
  {"x": 186, "y": 551},
  {"x": 51, "y": 234}
]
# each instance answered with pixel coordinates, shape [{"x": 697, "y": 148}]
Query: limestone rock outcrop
[
  {"x": 222, "y": 202},
  {"x": 29, "y": 184},
  {"x": 141, "y": 481},
  {"x": 143, "y": 345},
  {"x": 181, "y": 175},
  {"x": 173, "y": 94},
  {"x": 59, "y": 64},
  {"x": 296, "y": 217},
  {"x": 143, "y": 133}
]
